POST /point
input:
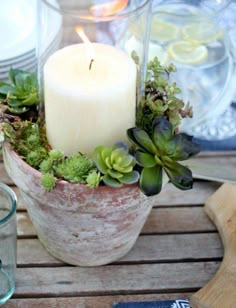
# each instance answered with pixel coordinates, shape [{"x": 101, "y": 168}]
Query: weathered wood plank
[
  {"x": 113, "y": 279},
  {"x": 173, "y": 220},
  {"x": 25, "y": 227},
  {"x": 89, "y": 302},
  {"x": 201, "y": 191},
  {"x": 161, "y": 220},
  {"x": 217, "y": 153},
  {"x": 161, "y": 248}
]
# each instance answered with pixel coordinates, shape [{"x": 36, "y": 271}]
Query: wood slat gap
[
  {"x": 126, "y": 263},
  {"x": 166, "y": 261},
  {"x": 45, "y": 265},
  {"x": 105, "y": 293},
  {"x": 173, "y": 295},
  {"x": 27, "y": 237},
  {"x": 197, "y": 205},
  {"x": 178, "y": 206},
  {"x": 20, "y": 210},
  {"x": 179, "y": 233}
]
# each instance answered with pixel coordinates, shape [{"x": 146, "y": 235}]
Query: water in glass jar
[
  {"x": 6, "y": 286},
  {"x": 184, "y": 35},
  {"x": 7, "y": 252}
]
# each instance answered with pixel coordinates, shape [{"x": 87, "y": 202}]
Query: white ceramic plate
[
  {"x": 24, "y": 60},
  {"x": 20, "y": 65},
  {"x": 18, "y": 28}
]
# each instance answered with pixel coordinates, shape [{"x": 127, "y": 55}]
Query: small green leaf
[
  {"x": 12, "y": 75},
  {"x": 106, "y": 152},
  {"x": 184, "y": 147},
  {"x": 145, "y": 159},
  {"x": 124, "y": 161},
  {"x": 108, "y": 162},
  {"x": 114, "y": 174},
  {"x": 19, "y": 81},
  {"x": 109, "y": 181},
  {"x": 141, "y": 139},
  {"x": 6, "y": 88},
  {"x": 130, "y": 178},
  {"x": 179, "y": 175},
  {"x": 31, "y": 99},
  {"x": 151, "y": 180},
  {"x": 100, "y": 163},
  {"x": 162, "y": 132}
]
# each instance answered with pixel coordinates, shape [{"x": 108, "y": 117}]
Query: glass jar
[
  {"x": 89, "y": 83},
  {"x": 8, "y": 236},
  {"x": 188, "y": 34}
]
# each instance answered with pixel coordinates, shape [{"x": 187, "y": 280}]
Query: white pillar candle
[{"x": 88, "y": 107}]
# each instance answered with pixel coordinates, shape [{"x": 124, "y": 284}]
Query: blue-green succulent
[
  {"x": 161, "y": 151},
  {"x": 116, "y": 165}
]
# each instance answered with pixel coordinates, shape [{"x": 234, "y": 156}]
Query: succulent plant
[
  {"x": 93, "y": 179},
  {"x": 75, "y": 169},
  {"x": 34, "y": 157},
  {"x": 22, "y": 93},
  {"x": 48, "y": 181},
  {"x": 116, "y": 164},
  {"x": 28, "y": 139},
  {"x": 53, "y": 159},
  {"x": 160, "y": 151},
  {"x": 160, "y": 98}
]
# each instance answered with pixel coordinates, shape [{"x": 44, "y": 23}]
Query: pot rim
[{"x": 61, "y": 183}]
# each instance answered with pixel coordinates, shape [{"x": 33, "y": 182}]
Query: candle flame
[
  {"x": 82, "y": 35},
  {"x": 90, "y": 49},
  {"x": 108, "y": 8}
]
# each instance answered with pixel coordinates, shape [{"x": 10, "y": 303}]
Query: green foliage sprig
[{"x": 160, "y": 98}]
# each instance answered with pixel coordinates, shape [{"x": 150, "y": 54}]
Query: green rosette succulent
[
  {"x": 116, "y": 165},
  {"x": 161, "y": 151},
  {"x": 21, "y": 94}
]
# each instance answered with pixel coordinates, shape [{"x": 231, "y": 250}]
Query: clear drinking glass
[
  {"x": 64, "y": 25},
  {"x": 188, "y": 34},
  {"x": 7, "y": 242}
]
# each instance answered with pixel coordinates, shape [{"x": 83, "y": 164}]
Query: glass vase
[{"x": 90, "y": 79}]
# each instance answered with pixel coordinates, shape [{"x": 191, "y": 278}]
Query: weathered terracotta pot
[{"x": 76, "y": 224}]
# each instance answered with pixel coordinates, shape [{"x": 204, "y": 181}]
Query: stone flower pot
[{"x": 77, "y": 224}]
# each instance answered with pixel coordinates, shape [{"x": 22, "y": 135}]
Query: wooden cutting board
[{"x": 220, "y": 291}]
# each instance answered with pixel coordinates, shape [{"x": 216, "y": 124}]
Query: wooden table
[{"x": 178, "y": 251}]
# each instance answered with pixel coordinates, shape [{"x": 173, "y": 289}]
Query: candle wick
[{"x": 90, "y": 65}]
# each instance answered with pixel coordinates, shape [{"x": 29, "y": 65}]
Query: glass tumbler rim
[
  {"x": 12, "y": 198},
  {"x": 94, "y": 19}
]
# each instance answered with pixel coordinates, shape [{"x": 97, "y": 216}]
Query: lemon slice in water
[
  {"x": 202, "y": 33},
  {"x": 156, "y": 50},
  {"x": 188, "y": 53},
  {"x": 163, "y": 31}
]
